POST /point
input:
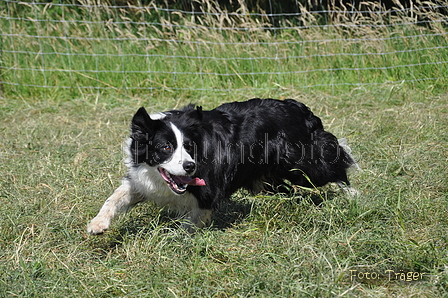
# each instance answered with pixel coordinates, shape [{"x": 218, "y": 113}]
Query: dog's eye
[
  {"x": 167, "y": 147},
  {"x": 141, "y": 145}
]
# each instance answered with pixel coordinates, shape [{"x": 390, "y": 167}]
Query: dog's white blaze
[{"x": 175, "y": 165}]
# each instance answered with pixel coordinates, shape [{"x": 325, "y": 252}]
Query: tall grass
[{"x": 138, "y": 50}]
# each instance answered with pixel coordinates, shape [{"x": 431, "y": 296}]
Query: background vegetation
[
  {"x": 60, "y": 158},
  {"x": 90, "y": 48}
]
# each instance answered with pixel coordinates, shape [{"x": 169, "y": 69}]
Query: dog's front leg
[
  {"x": 120, "y": 201},
  {"x": 197, "y": 218}
]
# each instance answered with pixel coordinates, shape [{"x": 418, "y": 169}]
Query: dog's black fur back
[{"x": 260, "y": 143}]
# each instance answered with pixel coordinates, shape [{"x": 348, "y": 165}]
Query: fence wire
[{"x": 92, "y": 47}]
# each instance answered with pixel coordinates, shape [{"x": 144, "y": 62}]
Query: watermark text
[{"x": 387, "y": 275}]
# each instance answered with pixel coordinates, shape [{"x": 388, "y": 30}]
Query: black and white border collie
[{"x": 190, "y": 160}]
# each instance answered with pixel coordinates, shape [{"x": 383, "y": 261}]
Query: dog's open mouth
[{"x": 178, "y": 184}]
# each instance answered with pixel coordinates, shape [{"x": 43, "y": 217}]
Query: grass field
[
  {"x": 61, "y": 154},
  {"x": 61, "y": 160}
]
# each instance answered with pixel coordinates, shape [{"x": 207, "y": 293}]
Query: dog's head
[{"x": 162, "y": 145}]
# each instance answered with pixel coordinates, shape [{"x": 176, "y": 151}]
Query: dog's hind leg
[{"x": 120, "y": 201}]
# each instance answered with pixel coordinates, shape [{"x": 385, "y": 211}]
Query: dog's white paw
[
  {"x": 98, "y": 226},
  {"x": 351, "y": 192}
]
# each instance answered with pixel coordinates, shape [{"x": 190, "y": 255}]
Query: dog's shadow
[{"x": 230, "y": 214}]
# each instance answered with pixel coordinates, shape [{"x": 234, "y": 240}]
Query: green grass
[
  {"x": 61, "y": 157},
  {"x": 133, "y": 53}
]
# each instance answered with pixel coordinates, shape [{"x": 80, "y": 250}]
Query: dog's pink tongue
[
  {"x": 197, "y": 182},
  {"x": 190, "y": 181}
]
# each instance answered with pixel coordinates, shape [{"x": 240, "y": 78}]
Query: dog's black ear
[
  {"x": 142, "y": 124},
  {"x": 199, "y": 113},
  {"x": 195, "y": 114}
]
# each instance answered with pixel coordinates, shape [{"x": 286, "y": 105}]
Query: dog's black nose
[{"x": 189, "y": 167}]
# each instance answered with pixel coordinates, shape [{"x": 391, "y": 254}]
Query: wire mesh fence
[{"x": 94, "y": 46}]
